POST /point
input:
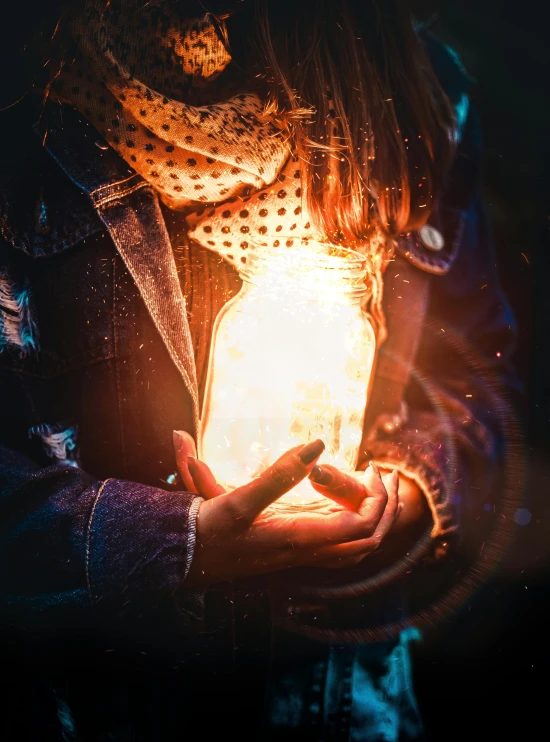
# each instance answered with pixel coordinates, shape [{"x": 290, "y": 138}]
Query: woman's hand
[
  {"x": 242, "y": 532},
  {"x": 413, "y": 507}
]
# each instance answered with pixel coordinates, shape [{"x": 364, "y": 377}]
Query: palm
[{"x": 250, "y": 530}]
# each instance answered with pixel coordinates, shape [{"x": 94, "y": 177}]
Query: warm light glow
[{"x": 291, "y": 359}]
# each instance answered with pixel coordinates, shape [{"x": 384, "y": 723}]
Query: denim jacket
[{"x": 97, "y": 369}]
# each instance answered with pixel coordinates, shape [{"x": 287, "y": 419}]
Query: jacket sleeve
[
  {"x": 69, "y": 543},
  {"x": 458, "y": 409}
]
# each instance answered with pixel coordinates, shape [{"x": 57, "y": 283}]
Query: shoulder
[
  {"x": 446, "y": 62},
  {"x": 41, "y": 211},
  {"x": 435, "y": 246},
  {"x": 451, "y": 73}
]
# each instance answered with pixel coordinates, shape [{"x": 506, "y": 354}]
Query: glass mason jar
[{"x": 290, "y": 361}]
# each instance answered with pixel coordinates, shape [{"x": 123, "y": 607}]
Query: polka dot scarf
[
  {"x": 271, "y": 218},
  {"x": 145, "y": 62},
  {"x": 135, "y": 64}
]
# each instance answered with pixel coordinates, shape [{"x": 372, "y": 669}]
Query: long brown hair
[{"x": 350, "y": 82}]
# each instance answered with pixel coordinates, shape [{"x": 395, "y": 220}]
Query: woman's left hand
[{"x": 340, "y": 492}]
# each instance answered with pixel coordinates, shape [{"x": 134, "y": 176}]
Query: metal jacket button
[{"x": 431, "y": 238}]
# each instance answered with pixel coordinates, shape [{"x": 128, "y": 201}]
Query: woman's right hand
[{"x": 240, "y": 534}]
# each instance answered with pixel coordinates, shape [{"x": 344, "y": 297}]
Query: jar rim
[
  {"x": 322, "y": 255},
  {"x": 345, "y": 269}
]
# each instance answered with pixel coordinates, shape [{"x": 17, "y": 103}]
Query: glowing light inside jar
[{"x": 291, "y": 360}]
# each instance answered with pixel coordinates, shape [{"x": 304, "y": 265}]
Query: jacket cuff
[
  {"x": 139, "y": 544},
  {"x": 419, "y": 460}
]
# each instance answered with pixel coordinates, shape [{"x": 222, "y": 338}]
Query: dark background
[{"x": 484, "y": 674}]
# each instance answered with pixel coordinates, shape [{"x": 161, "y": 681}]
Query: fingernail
[
  {"x": 374, "y": 468},
  {"x": 320, "y": 475},
  {"x": 369, "y": 475},
  {"x": 178, "y": 440},
  {"x": 311, "y": 451},
  {"x": 395, "y": 477}
]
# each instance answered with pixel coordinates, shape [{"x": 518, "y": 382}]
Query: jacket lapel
[{"x": 129, "y": 208}]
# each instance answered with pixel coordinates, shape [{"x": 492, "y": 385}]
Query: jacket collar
[{"x": 94, "y": 167}]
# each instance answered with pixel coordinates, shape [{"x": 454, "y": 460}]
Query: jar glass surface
[{"x": 291, "y": 360}]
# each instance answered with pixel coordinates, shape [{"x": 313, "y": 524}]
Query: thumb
[
  {"x": 281, "y": 477},
  {"x": 184, "y": 446}
]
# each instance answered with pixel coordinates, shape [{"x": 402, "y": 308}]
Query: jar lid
[{"x": 312, "y": 264}]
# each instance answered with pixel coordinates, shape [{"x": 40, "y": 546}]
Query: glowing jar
[{"x": 291, "y": 360}]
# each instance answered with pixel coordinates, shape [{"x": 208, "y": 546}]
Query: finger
[
  {"x": 184, "y": 443},
  {"x": 373, "y": 481},
  {"x": 392, "y": 508},
  {"x": 363, "y": 547},
  {"x": 357, "y": 546},
  {"x": 203, "y": 479},
  {"x": 184, "y": 446},
  {"x": 373, "y": 505},
  {"x": 293, "y": 466},
  {"x": 344, "y": 489}
]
